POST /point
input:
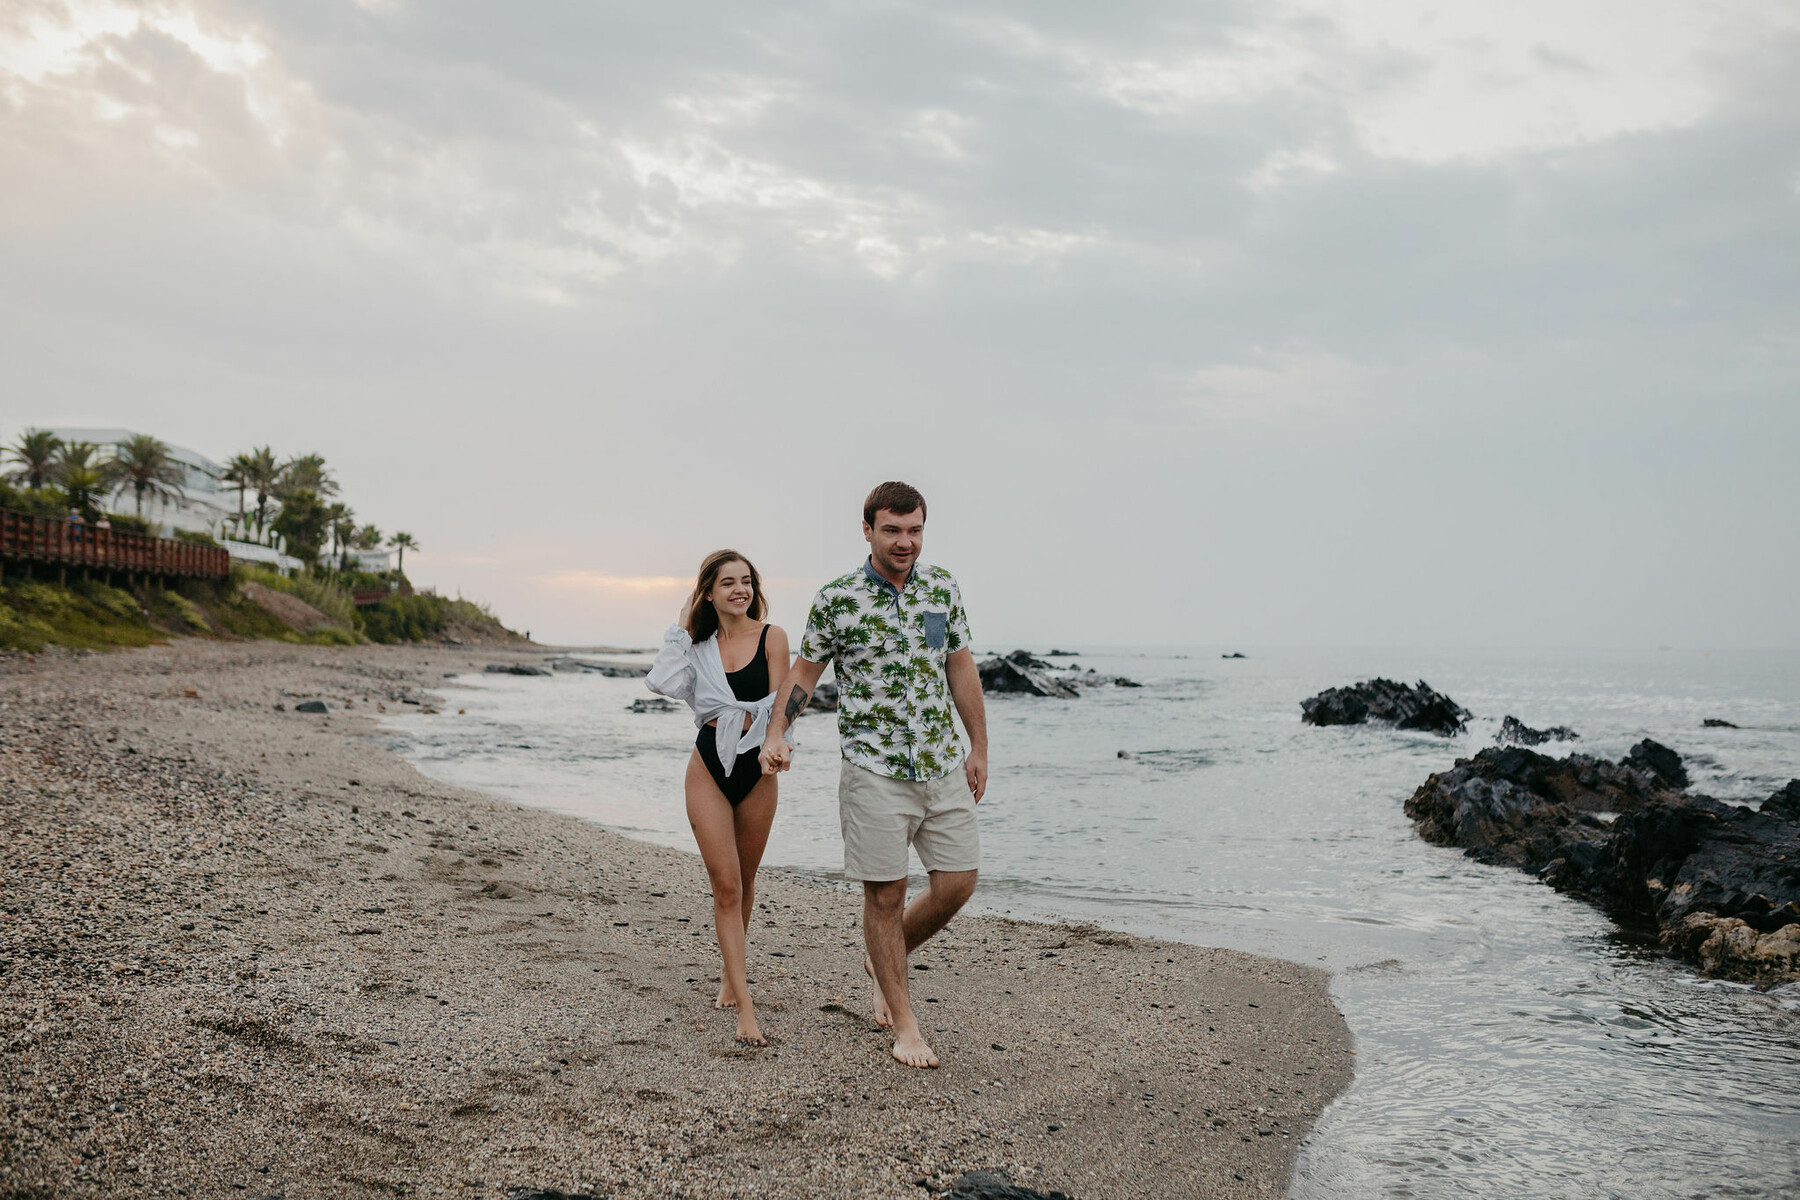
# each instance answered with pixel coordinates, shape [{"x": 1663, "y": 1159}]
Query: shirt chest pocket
[{"x": 935, "y": 624}]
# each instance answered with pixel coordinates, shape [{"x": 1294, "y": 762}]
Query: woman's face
[{"x": 732, "y": 590}]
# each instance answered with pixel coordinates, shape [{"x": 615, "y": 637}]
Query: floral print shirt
[{"x": 889, "y": 647}]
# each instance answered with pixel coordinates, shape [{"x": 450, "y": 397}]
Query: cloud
[{"x": 568, "y": 287}]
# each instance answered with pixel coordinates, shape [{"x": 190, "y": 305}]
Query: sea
[{"x": 1511, "y": 1042}]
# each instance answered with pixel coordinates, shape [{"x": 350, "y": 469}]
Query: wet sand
[{"x": 246, "y": 951}]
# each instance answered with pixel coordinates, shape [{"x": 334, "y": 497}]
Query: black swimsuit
[{"x": 750, "y": 684}]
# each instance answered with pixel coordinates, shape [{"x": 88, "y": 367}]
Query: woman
[{"x": 724, "y": 661}]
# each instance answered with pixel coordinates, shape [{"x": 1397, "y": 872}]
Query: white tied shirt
[{"x": 695, "y": 674}]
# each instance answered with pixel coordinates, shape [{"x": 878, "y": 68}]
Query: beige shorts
[{"x": 882, "y": 816}]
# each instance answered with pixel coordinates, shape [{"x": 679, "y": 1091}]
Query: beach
[{"x": 249, "y": 951}]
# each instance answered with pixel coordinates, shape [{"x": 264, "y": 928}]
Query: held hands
[
  {"x": 975, "y": 767},
  {"x": 775, "y": 756}
]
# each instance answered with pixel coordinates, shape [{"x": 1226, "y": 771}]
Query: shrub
[
  {"x": 404, "y": 618},
  {"x": 126, "y": 523},
  {"x": 197, "y": 536}
]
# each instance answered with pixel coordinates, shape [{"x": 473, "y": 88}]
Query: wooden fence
[{"x": 64, "y": 543}]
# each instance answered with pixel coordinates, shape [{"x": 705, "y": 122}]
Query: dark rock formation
[
  {"x": 1233, "y": 654},
  {"x": 1719, "y": 882},
  {"x": 1661, "y": 762},
  {"x": 610, "y": 670},
  {"x": 992, "y": 1185},
  {"x": 516, "y": 669},
  {"x": 311, "y": 706},
  {"x": 1061, "y": 653},
  {"x": 824, "y": 698},
  {"x": 1407, "y": 707},
  {"x": 650, "y": 704},
  {"x": 1518, "y": 733},
  {"x": 1019, "y": 672},
  {"x": 1718, "y": 723}
]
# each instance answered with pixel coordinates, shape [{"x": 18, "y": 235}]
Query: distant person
[
  {"x": 76, "y": 525},
  {"x": 716, "y": 658},
  {"x": 895, "y": 632}
]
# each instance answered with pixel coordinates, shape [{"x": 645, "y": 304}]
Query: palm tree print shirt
[{"x": 888, "y": 647}]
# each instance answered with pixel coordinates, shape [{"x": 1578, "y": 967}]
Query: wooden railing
[
  {"x": 368, "y": 596},
  {"x": 59, "y": 541}
]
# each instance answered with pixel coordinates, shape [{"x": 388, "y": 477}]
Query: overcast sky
[{"x": 1353, "y": 322}]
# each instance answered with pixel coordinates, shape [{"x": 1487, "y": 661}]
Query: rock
[
  {"x": 516, "y": 669},
  {"x": 1717, "y": 723},
  {"x": 1061, "y": 653},
  {"x": 1121, "y": 681},
  {"x": 650, "y": 704},
  {"x": 1719, "y": 882},
  {"x": 312, "y": 706},
  {"x": 610, "y": 670},
  {"x": 1407, "y": 707},
  {"x": 1518, "y": 807},
  {"x": 1661, "y": 761},
  {"x": 824, "y": 698},
  {"x": 1020, "y": 673},
  {"x": 1728, "y": 948},
  {"x": 991, "y": 1185},
  {"x": 1233, "y": 654},
  {"x": 1517, "y": 732}
]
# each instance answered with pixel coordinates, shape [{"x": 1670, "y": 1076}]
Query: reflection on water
[{"x": 1510, "y": 1042}]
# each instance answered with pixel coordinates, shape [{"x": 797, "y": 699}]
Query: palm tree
[
  {"x": 239, "y": 473},
  {"x": 402, "y": 542},
  {"x": 72, "y": 456},
  {"x": 262, "y": 474},
  {"x": 144, "y": 463},
  {"x": 343, "y": 528},
  {"x": 366, "y": 538},
  {"x": 35, "y": 454},
  {"x": 82, "y": 487},
  {"x": 307, "y": 472}
]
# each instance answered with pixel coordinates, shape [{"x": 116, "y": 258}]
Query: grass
[{"x": 90, "y": 615}]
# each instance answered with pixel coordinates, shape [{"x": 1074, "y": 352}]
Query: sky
[{"x": 1326, "y": 322}]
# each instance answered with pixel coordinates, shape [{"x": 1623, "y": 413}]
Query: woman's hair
[{"x": 703, "y": 618}]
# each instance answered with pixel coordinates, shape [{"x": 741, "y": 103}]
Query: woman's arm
[{"x": 672, "y": 674}]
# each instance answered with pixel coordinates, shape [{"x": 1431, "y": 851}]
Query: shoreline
[{"x": 253, "y": 948}]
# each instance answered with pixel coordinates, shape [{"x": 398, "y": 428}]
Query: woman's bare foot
[
  {"x": 910, "y": 1048},
  {"x": 747, "y": 1032},
  {"x": 726, "y": 999},
  {"x": 884, "y": 1016}
]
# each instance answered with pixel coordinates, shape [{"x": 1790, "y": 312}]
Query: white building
[
  {"x": 206, "y": 501},
  {"x": 374, "y": 561}
]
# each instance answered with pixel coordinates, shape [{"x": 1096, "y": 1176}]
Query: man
[{"x": 896, "y": 632}]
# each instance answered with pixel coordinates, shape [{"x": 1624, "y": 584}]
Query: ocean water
[{"x": 1510, "y": 1042}]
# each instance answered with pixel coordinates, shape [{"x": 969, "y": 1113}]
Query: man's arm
[
  {"x": 965, "y": 689},
  {"x": 790, "y": 701}
]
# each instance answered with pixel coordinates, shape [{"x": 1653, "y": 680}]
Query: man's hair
[{"x": 898, "y": 498}]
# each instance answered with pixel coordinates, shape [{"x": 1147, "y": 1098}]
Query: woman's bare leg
[{"x": 710, "y": 816}]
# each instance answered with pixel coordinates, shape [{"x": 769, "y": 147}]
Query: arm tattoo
[{"x": 796, "y": 702}]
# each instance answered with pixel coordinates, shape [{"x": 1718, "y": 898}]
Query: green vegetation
[
  {"x": 323, "y": 593},
  {"x": 88, "y": 614},
  {"x": 294, "y": 498},
  {"x": 85, "y": 615},
  {"x": 421, "y": 615}
]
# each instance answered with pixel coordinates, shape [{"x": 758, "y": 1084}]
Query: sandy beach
[{"x": 248, "y": 951}]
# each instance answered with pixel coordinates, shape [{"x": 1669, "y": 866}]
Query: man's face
[{"x": 895, "y": 540}]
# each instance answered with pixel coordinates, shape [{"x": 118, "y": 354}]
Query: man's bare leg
[
  {"x": 884, "y": 913},
  {"x": 928, "y": 912}
]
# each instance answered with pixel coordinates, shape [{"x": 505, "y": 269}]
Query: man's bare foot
[
  {"x": 884, "y": 1016},
  {"x": 726, "y": 999},
  {"x": 747, "y": 1032},
  {"x": 910, "y": 1048}
]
